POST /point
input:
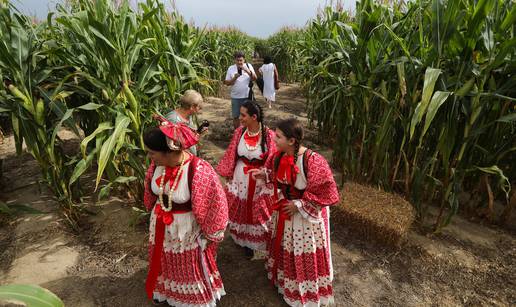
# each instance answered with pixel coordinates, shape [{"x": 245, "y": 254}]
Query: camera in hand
[
  {"x": 240, "y": 71},
  {"x": 203, "y": 125}
]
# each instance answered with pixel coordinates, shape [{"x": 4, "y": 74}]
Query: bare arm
[
  {"x": 231, "y": 81},
  {"x": 253, "y": 76},
  {"x": 250, "y": 73}
]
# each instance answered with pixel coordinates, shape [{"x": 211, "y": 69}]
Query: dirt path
[{"x": 105, "y": 264}]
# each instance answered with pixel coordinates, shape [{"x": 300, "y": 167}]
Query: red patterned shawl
[
  {"x": 227, "y": 164},
  {"x": 321, "y": 189},
  {"x": 209, "y": 203}
]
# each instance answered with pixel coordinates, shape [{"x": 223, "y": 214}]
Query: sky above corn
[{"x": 259, "y": 18}]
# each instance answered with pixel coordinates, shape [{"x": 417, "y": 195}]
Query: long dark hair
[
  {"x": 292, "y": 128},
  {"x": 156, "y": 140},
  {"x": 255, "y": 109}
]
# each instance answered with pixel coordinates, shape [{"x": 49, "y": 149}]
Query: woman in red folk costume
[
  {"x": 299, "y": 260},
  {"x": 249, "y": 201},
  {"x": 189, "y": 215}
]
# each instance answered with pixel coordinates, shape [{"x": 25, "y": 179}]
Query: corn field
[
  {"x": 100, "y": 69},
  {"x": 284, "y": 49},
  {"x": 419, "y": 98}
]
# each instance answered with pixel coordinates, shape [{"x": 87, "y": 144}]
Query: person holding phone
[
  {"x": 190, "y": 104},
  {"x": 239, "y": 76}
]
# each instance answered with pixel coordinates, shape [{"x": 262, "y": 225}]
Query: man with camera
[{"x": 240, "y": 77}]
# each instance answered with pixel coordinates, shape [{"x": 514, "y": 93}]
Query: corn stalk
[
  {"x": 420, "y": 98},
  {"x": 34, "y": 98}
]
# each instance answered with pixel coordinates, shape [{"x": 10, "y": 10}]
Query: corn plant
[
  {"x": 28, "y": 295},
  {"x": 102, "y": 61},
  {"x": 15, "y": 209},
  {"x": 99, "y": 69},
  {"x": 129, "y": 66},
  {"x": 33, "y": 96},
  {"x": 284, "y": 50},
  {"x": 420, "y": 98},
  {"x": 173, "y": 46}
]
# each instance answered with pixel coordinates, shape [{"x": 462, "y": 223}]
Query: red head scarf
[{"x": 179, "y": 136}]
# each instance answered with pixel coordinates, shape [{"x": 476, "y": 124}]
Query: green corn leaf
[
  {"x": 102, "y": 127},
  {"x": 108, "y": 148},
  {"x": 437, "y": 101},
  {"x": 431, "y": 76},
  {"x": 31, "y": 295}
]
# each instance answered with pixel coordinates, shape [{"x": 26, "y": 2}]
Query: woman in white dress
[{"x": 268, "y": 70}]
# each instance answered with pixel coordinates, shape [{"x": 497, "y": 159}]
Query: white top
[
  {"x": 249, "y": 154},
  {"x": 184, "y": 234},
  {"x": 182, "y": 194},
  {"x": 240, "y": 183},
  {"x": 241, "y": 87},
  {"x": 269, "y": 91}
]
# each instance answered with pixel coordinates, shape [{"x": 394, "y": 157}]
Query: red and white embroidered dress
[
  {"x": 249, "y": 212},
  {"x": 301, "y": 267},
  {"x": 188, "y": 274}
]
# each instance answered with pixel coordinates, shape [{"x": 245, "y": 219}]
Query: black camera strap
[{"x": 251, "y": 84}]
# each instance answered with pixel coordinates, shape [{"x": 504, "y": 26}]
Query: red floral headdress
[{"x": 179, "y": 136}]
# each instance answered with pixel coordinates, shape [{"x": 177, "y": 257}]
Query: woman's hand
[
  {"x": 257, "y": 173},
  {"x": 204, "y": 131},
  {"x": 289, "y": 208}
]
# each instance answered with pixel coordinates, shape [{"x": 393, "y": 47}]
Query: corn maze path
[{"x": 104, "y": 264}]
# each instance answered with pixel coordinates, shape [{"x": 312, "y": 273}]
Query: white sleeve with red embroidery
[
  {"x": 308, "y": 211},
  {"x": 216, "y": 237}
]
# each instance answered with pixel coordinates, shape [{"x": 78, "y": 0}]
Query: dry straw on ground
[{"x": 374, "y": 214}]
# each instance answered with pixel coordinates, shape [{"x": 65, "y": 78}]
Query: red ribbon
[
  {"x": 163, "y": 218},
  {"x": 252, "y": 187},
  {"x": 280, "y": 227},
  {"x": 287, "y": 170},
  {"x": 155, "y": 261}
]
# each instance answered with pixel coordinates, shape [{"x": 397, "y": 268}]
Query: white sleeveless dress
[{"x": 269, "y": 92}]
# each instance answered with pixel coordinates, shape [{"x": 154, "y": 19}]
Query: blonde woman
[{"x": 190, "y": 104}]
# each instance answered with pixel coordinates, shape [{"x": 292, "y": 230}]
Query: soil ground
[{"x": 105, "y": 263}]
